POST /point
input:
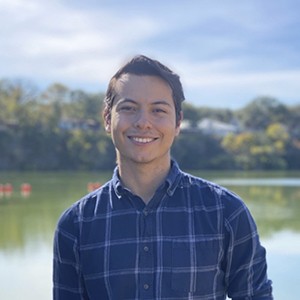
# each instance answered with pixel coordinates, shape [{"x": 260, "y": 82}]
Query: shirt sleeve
[
  {"x": 246, "y": 267},
  {"x": 67, "y": 281}
]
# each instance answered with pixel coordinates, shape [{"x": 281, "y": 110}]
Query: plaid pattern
[{"x": 194, "y": 240}]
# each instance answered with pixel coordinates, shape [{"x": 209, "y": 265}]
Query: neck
[{"x": 143, "y": 179}]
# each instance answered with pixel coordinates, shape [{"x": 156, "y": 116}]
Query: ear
[
  {"x": 107, "y": 128},
  {"x": 107, "y": 125},
  {"x": 107, "y": 122}
]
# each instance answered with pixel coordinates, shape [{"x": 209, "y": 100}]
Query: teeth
[{"x": 142, "y": 140}]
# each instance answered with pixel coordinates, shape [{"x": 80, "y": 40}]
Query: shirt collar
[
  {"x": 116, "y": 182},
  {"x": 173, "y": 177},
  {"x": 171, "y": 180}
]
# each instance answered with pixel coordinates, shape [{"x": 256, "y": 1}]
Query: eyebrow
[
  {"x": 124, "y": 100},
  {"x": 161, "y": 102},
  {"x": 156, "y": 102}
]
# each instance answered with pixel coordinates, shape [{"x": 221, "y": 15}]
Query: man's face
[{"x": 143, "y": 122}]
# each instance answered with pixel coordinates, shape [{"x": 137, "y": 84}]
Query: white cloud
[
  {"x": 55, "y": 41},
  {"x": 47, "y": 38},
  {"x": 260, "y": 80},
  {"x": 224, "y": 80}
]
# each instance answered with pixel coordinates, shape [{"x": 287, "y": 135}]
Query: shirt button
[
  {"x": 146, "y": 286},
  {"x": 146, "y": 212},
  {"x": 146, "y": 249}
]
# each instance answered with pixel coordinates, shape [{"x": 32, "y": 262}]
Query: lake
[{"x": 28, "y": 220}]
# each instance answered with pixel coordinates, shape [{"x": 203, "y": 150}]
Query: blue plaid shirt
[{"x": 193, "y": 240}]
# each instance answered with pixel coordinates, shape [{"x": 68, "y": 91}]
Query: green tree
[
  {"x": 56, "y": 92},
  {"x": 32, "y": 135},
  {"x": 259, "y": 150},
  {"x": 198, "y": 151},
  {"x": 14, "y": 94},
  {"x": 90, "y": 150},
  {"x": 293, "y": 121},
  {"x": 190, "y": 113},
  {"x": 261, "y": 112}
]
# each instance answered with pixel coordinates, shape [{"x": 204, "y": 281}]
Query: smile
[{"x": 142, "y": 140}]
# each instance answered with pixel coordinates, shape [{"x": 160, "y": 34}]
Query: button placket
[{"x": 146, "y": 258}]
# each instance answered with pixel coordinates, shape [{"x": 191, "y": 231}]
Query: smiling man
[
  {"x": 153, "y": 231},
  {"x": 143, "y": 125}
]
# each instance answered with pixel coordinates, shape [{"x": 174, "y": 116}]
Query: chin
[{"x": 142, "y": 160}]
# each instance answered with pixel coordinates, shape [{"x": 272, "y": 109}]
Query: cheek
[
  {"x": 118, "y": 125},
  {"x": 169, "y": 124}
]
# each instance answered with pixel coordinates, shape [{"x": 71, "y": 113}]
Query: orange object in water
[
  {"x": 91, "y": 186},
  {"x": 97, "y": 185},
  {"x": 8, "y": 189},
  {"x": 26, "y": 189},
  {"x": 1, "y": 190}
]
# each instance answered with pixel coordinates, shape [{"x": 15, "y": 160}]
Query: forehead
[{"x": 143, "y": 86}]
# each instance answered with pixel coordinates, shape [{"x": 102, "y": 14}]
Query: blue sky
[{"x": 226, "y": 52}]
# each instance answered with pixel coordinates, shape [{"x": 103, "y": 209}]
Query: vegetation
[{"x": 60, "y": 129}]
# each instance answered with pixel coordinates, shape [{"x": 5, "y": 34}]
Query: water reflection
[
  {"x": 274, "y": 208},
  {"x": 32, "y": 216},
  {"x": 27, "y": 225},
  {"x": 27, "y": 219}
]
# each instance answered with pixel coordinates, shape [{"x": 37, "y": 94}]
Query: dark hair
[{"x": 143, "y": 65}]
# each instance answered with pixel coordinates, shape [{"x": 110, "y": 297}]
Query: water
[{"x": 27, "y": 224}]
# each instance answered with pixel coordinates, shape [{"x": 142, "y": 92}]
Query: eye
[
  {"x": 159, "y": 110},
  {"x": 127, "y": 108}
]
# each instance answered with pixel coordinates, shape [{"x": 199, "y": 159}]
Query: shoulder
[
  {"x": 85, "y": 207},
  {"x": 230, "y": 207},
  {"x": 211, "y": 193}
]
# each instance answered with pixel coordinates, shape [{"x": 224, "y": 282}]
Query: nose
[{"x": 142, "y": 120}]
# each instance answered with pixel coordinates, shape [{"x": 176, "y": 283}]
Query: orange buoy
[
  {"x": 26, "y": 189},
  {"x": 91, "y": 186},
  {"x": 1, "y": 190},
  {"x": 8, "y": 189},
  {"x": 97, "y": 185}
]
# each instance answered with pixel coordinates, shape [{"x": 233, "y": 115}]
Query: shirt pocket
[{"x": 194, "y": 266}]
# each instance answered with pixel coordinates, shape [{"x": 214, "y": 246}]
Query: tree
[
  {"x": 59, "y": 128},
  {"x": 14, "y": 95},
  {"x": 190, "y": 112},
  {"x": 238, "y": 147},
  {"x": 198, "y": 151},
  {"x": 56, "y": 92},
  {"x": 261, "y": 112},
  {"x": 293, "y": 121},
  {"x": 259, "y": 150}
]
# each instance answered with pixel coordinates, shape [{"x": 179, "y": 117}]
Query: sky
[{"x": 227, "y": 52}]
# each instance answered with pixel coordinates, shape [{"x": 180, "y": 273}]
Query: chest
[{"x": 169, "y": 251}]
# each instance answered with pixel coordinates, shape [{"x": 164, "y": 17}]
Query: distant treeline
[{"x": 61, "y": 129}]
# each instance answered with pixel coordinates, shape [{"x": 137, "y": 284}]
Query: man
[{"x": 152, "y": 231}]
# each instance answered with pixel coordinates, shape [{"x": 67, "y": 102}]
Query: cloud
[
  {"x": 227, "y": 82},
  {"x": 260, "y": 80},
  {"x": 49, "y": 39},
  {"x": 221, "y": 51}
]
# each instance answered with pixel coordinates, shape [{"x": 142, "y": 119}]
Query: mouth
[{"x": 142, "y": 140}]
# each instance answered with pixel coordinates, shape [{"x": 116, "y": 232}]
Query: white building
[{"x": 214, "y": 127}]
